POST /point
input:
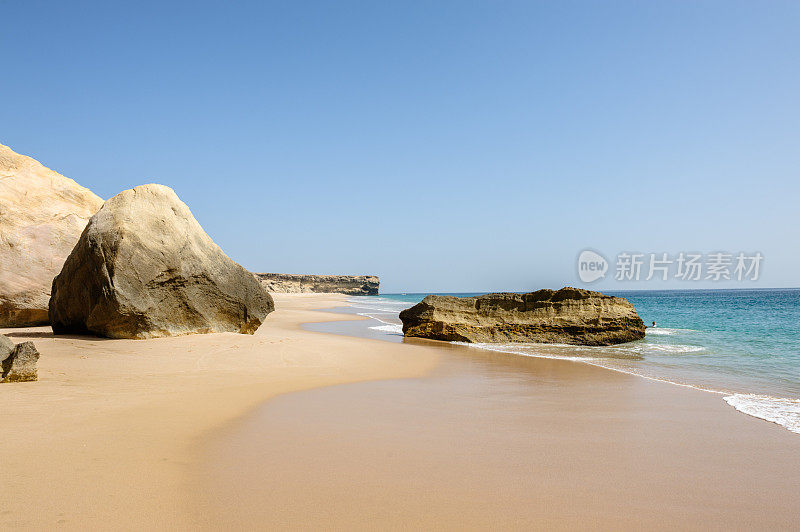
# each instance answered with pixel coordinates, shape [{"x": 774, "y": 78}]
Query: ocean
[{"x": 741, "y": 344}]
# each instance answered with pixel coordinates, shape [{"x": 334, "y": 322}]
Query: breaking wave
[{"x": 784, "y": 412}]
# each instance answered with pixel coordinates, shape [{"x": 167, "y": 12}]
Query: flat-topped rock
[
  {"x": 144, "y": 268},
  {"x": 354, "y": 285},
  {"x": 565, "y": 316},
  {"x": 42, "y": 214}
]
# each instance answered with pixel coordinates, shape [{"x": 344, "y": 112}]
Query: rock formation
[
  {"x": 144, "y": 268},
  {"x": 42, "y": 214},
  {"x": 353, "y": 285},
  {"x": 567, "y": 316},
  {"x": 17, "y": 362}
]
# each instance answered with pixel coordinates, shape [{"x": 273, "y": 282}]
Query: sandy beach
[
  {"x": 400, "y": 266},
  {"x": 295, "y": 429},
  {"x": 110, "y": 436}
]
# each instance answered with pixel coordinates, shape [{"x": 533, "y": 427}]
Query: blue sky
[{"x": 446, "y": 146}]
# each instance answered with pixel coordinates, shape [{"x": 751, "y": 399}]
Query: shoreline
[
  {"x": 763, "y": 407},
  {"x": 780, "y": 407},
  {"x": 149, "y": 433},
  {"x": 514, "y": 442}
]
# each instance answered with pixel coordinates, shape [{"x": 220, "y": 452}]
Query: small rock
[{"x": 20, "y": 365}]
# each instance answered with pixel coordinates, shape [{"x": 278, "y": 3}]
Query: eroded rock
[{"x": 568, "y": 316}]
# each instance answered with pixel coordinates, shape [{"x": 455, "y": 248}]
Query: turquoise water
[{"x": 742, "y": 344}]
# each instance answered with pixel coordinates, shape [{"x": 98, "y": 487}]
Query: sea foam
[
  {"x": 664, "y": 348},
  {"x": 664, "y": 331},
  {"x": 784, "y": 412},
  {"x": 390, "y": 328},
  {"x": 526, "y": 350},
  {"x": 651, "y": 331}
]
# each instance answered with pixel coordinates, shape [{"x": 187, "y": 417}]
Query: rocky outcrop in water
[
  {"x": 566, "y": 316},
  {"x": 18, "y": 363},
  {"x": 144, "y": 268},
  {"x": 42, "y": 214},
  {"x": 354, "y": 285}
]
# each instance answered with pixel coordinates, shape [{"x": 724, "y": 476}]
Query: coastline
[
  {"x": 109, "y": 434},
  {"x": 293, "y": 428},
  {"x": 750, "y": 367},
  {"x": 502, "y": 441}
]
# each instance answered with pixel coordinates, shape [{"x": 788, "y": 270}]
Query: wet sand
[{"x": 494, "y": 441}]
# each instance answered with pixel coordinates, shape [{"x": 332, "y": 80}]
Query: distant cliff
[{"x": 354, "y": 285}]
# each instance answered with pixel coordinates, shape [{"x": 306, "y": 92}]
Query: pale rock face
[
  {"x": 565, "y": 316},
  {"x": 144, "y": 268},
  {"x": 354, "y": 285},
  {"x": 42, "y": 214}
]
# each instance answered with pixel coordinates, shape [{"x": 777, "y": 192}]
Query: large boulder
[
  {"x": 42, "y": 214},
  {"x": 18, "y": 362},
  {"x": 144, "y": 268},
  {"x": 566, "y": 316}
]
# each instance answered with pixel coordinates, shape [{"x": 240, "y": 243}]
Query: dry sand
[
  {"x": 109, "y": 435},
  {"x": 177, "y": 433}
]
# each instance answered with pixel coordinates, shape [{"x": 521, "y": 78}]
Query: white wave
[
  {"x": 598, "y": 352},
  {"x": 638, "y": 373},
  {"x": 376, "y": 318},
  {"x": 651, "y": 331},
  {"x": 521, "y": 349},
  {"x": 389, "y": 308},
  {"x": 664, "y": 331},
  {"x": 784, "y": 412},
  {"x": 664, "y": 348},
  {"x": 389, "y": 328}
]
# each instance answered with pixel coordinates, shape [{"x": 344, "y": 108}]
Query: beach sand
[
  {"x": 109, "y": 436},
  {"x": 202, "y": 432}
]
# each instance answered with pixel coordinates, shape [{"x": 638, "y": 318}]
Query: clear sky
[{"x": 445, "y": 146}]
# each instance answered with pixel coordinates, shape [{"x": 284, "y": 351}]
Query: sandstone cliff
[
  {"x": 42, "y": 214},
  {"x": 354, "y": 285},
  {"x": 144, "y": 268},
  {"x": 568, "y": 316}
]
